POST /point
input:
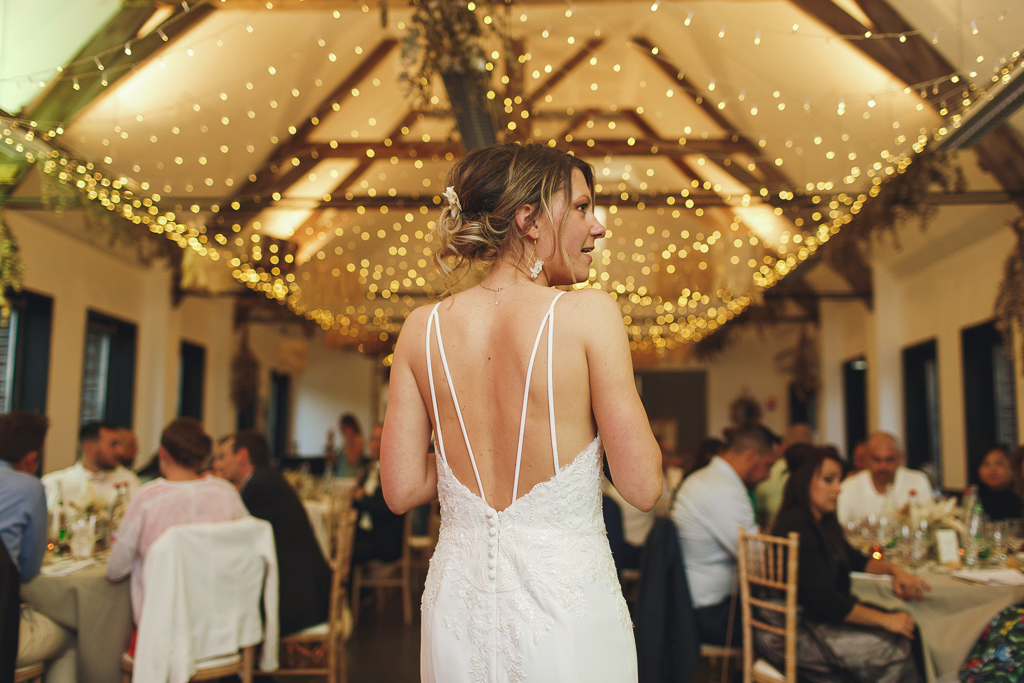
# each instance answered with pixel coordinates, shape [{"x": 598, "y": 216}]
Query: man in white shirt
[
  {"x": 711, "y": 504},
  {"x": 97, "y": 475},
  {"x": 885, "y": 486}
]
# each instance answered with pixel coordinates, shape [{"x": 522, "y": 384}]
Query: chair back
[
  {"x": 203, "y": 588},
  {"x": 10, "y": 615},
  {"x": 343, "y": 523},
  {"x": 769, "y": 564}
]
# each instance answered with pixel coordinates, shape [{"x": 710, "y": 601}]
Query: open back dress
[{"x": 528, "y": 593}]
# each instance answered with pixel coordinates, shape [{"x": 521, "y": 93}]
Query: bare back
[{"x": 487, "y": 350}]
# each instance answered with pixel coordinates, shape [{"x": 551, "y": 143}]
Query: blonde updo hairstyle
[{"x": 491, "y": 184}]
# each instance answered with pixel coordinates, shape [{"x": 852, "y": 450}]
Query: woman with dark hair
[
  {"x": 995, "y": 485},
  {"x": 838, "y": 637}
]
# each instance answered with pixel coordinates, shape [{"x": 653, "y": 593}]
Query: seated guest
[
  {"x": 350, "y": 460},
  {"x": 129, "y": 447},
  {"x": 627, "y": 527},
  {"x": 305, "y": 577},
  {"x": 180, "y": 496},
  {"x": 838, "y": 638},
  {"x": 379, "y": 530},
  {"x": 995, "y": 485},
  {"x": 706, "y": 450},
  {"x": 709, "y": 506},
  {"x": 885, "y": 486},
  {"x": 23, "y": 531},
  {"x": 769, "y": 492},
  {"x": 99, "y": 468}
]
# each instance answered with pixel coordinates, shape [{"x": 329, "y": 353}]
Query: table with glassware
[
  {"x": 76, "y": 594},
  {"x": 964, "y": 597}
]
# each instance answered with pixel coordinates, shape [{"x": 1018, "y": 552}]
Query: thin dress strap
[
  {"x": 549, "y": 319},
  {"x": 451, "y": 387}
]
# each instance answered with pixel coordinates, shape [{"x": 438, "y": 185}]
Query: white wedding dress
[{"x": 529, "y": 593}]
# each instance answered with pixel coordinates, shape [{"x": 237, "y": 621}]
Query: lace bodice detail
[
  {"x": 507, "y": 589},
  {"x": 544, "y": 548}
]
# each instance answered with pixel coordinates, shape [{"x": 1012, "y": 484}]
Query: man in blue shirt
[{"x": 23, "y": 526}]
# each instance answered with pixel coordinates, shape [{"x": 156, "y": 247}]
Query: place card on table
[{"x": 948, "y": 546}]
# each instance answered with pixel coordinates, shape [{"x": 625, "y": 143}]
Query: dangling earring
[{"x": 537, "y": 266}]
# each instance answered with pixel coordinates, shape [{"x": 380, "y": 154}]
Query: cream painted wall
[
  {"x": 81, "y": 277},
  {"x": 933, "y": 287},
  {"x": 333, "y": 382}
]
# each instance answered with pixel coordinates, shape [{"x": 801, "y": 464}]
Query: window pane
[
  {"x": 94, "y": 375},
  {"x": 8, "y": 335}
]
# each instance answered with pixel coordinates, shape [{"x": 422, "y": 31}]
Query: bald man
[{"x": 886, "y": 485}]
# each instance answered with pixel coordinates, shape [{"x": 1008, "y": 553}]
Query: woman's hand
[
  {"x": 900, "y": 623},
  {"x": 907, "y": 585}
]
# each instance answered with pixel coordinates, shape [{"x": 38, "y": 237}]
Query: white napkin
[
  {"x": 66, "y": 567},
  {"x": 992, "y": 577}
]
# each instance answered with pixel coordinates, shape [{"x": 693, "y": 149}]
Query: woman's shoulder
[{"x": 594, "y": 307}]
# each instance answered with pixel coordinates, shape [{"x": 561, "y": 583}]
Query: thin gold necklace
[{"x": 492, "y": 289}]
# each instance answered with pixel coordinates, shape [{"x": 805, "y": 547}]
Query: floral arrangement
[
  {"x": 936, "y": 514},
  {"x": 12, "y": 269}
]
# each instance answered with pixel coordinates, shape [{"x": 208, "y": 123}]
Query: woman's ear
[{"x": 526, "y": 223}]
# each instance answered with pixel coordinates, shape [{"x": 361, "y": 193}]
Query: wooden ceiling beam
[
  {"x": 771, "y": 175},
  {"x": 916, "y": 61},
  {"x": 270, "y": 177},
  {"x": 562, "y": 72},
  {"x": 640, "y": 147}
]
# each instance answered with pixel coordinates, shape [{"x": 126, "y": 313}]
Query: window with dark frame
[
  {"x": 25, "y": 353},
  {"x": 108, "y": 373},
  {"x": 855, "y": 403},
  {"x": 990, "y": 405},
  {"x": 921, "y": 407},
  {"x": 192, "y": 380}
]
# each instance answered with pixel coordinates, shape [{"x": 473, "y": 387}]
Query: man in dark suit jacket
[
  {"x": 379, "y": 530},
  {"x": 305, "y": 577}
]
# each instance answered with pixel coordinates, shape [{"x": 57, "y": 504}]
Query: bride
[{"x": 526, "y": 388}]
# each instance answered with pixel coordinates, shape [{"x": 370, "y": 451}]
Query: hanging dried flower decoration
[
  {"x": 1009, "y": 309},
  {"x": 446, "y": 39},
  {"x": 12, "y": 269}
]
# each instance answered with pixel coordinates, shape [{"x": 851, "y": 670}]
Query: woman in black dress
[
  {"x": 995, "y": 485},
  {"x": 839, "y": 639}
]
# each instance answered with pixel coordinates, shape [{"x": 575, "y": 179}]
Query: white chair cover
[{"x": 203, "y": 588}]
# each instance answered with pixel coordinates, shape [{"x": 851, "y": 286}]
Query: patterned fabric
[{"x": 998, "y": 656}]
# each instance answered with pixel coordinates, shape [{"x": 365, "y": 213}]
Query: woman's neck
[{"x": 505, "y": 272}]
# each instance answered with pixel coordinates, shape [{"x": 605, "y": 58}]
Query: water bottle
[{"x": 973, "y": 544}]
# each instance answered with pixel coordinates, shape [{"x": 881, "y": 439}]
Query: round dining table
[
  {"x": 951, "y": 616},
  {"x": 98, "y": 610}
]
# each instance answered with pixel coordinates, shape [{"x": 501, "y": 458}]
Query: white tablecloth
[
  {"x": 319, "y": 512},
  {"x": 951, "y": 617}
]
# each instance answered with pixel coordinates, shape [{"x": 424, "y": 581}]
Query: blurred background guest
[
  {"x": 706, "y": 450},
  {"x": 379, "y": 530},
  {"x": 709, "y": 507},
  {"x": 995, "y": 484},
  {"x": 350, "y": 459},
  {"x": 128, "y": 447},
  {"x": 769, "y": 492},
  {"x": 23, "y": 523},
  {"x": 305, "y": 577},
  {"x": 180, "y": 496},
  {"x": 886, "y": 485},
  {"x": 99, "y": 468},
  {"x": 838, "y": 638}
]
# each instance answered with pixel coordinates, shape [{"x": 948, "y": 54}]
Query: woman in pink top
[{"x": 181, "y": 496}]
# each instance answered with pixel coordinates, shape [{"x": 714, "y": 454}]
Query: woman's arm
[
  {"x": 408, "y": 475},
  {"x": 904, "y": 584},
  {"x": 899, "y": 623},
  {"x": 633, "y": 453}
]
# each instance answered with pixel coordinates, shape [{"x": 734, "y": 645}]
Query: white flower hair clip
[{"x": 453, "y": 201}]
